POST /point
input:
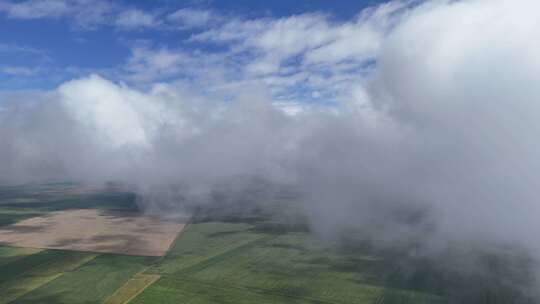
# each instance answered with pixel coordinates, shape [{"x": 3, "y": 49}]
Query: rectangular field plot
[
  {"x": 92, "y": 282},
  {"x": 33, "y": 270},
  {"x": 128, "y": 233}
]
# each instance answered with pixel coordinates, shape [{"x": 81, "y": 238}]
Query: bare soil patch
[{"x": 96, "y": 231}]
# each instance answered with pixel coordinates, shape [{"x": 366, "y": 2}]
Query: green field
[{"x": 254, "y": 256}]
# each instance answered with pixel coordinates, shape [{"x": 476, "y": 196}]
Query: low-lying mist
[{"x": 439, "y": 143}]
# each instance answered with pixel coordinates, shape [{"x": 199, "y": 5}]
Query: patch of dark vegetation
[
  {"x": 19, "y": 203},
  {"x": 279, "y": 228},
  {"x": 12, "y": 218},
  {"x": 220, "y": 234},
  {"x": 324, "y": 260},
  {"x": 288, "y": 246},
  {"x": 20, "y": 266},
  {"x": 106, "y": 201},
  {"x": 290, "y": 291},
  {"x": 461, "y": 274},
  {"x": 274, "y": 216}
]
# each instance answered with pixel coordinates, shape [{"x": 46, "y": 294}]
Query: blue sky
[
  {"x": 283, "y": 45},
  {"x": 41, "y": 46}
]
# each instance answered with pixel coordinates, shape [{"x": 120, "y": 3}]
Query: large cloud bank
[{"x": 443, "y": 122}]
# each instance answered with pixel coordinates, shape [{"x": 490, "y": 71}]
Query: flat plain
[{"x": 255, "y": 255}]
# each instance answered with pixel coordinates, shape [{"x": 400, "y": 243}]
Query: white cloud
[
  {"x": 84, "y": 14},
  {"x": 32, "y": 9},
  {"x": 90, "y": 14},
  {"x": 188, "y": 18},
  {"x": 19, "y": 71},
  {"x": 286, "y": 35},
  {"x": 13, "y": 48},
  {"x": 280, "y": 52},
  {"x": 107, "y": 108},
  {"x": 29, "y": 54},
  {"x": 290, "y": 108},
  {"x": 135, "y": 18},
  {"x": 361, "y": 39},
  {"x": 207, "y": 71},
  {"x": 233, "y": 30},
  {"x": 118, "y": 115},
  {"x": 312, "y": 36},
  {"x": 148, "y": 64}
]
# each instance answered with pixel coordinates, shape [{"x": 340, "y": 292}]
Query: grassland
[{"x": 254, "y": 256}]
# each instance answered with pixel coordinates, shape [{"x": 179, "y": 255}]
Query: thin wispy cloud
[
  {"x": 84, "y": 14},
  {"x": 34, "y": 9},
  {"x": 134, "y": 18},
  {"x": 188, "y": 18}
]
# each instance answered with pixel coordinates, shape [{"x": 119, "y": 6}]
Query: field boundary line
[
  {"x": 173, "y": 243},
  {"x": 153, "y": 277},
  {"x": 47, "y": 279},
  {"x": 14, "y": 298},
  {"x": 47, "y": 263}
]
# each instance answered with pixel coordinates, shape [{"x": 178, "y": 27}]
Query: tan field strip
[
  {"x": 92, "y": 230},
  {"x": 132, "y": 288}
]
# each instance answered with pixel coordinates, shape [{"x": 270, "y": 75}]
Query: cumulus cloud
[{"x": 106, "y": 108}]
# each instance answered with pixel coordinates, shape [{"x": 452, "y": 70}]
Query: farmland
[
  {"x": 235, "y": 263},
  {"x": 30, "y": 275},
  {"x": 253, "y": 256}
]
